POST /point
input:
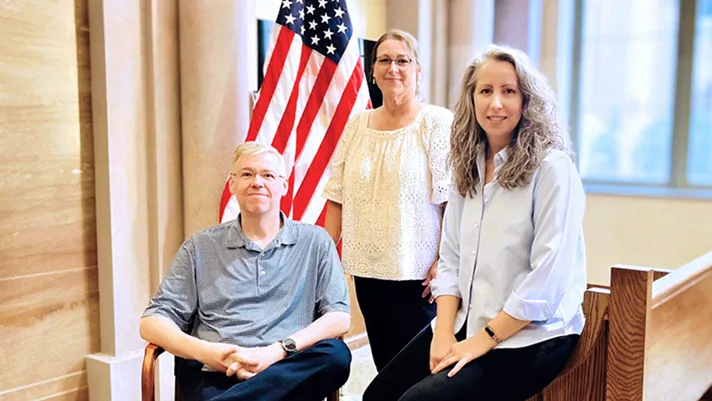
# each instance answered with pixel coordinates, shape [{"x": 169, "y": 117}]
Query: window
[
  {"x": 699, "y": 161},
  {"x": 625, "y": 110},
  {"x": 636, "y": 60}
]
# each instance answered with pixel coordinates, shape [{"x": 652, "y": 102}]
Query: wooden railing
[
  {"x": 663, "y": 347},
  {"x": 584, "y": 377},
  {"x": 647, "y": 337}
]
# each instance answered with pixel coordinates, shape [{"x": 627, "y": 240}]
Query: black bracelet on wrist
[{"x": 492, "y": 335}]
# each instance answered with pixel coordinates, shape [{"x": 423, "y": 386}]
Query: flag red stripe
[
  {"x": 285, "y": 205},
  {"x": 269, "y": 84},
  {"x": 224, "y": 200},
  {"x": 292, "y": 102},
  {"x": 321, "y": 221},
  {"x": 328, "y": 145},
  {"x": 284, "y": 130},
  {"x": 322, "y": 216},
  {"x": 321, "y": 85},
  {"x": 326, "y": 73}
]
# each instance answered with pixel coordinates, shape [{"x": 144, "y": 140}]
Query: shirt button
[
  {"x": 477, "y": 225},
  {"x": 262, "y": 273},
  {"x": 486, "y": 200},
  {"x": 262, "y": 254}
]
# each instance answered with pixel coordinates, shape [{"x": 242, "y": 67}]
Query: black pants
[
  {"x": 309, "y": 375},
  {"x": 502, "y": 374},
  {"x": 394, "y": 312}
]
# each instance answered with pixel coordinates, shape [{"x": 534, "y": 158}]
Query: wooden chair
[{"x": 148, "y": 376}]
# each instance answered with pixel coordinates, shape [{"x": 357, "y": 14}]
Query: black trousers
[
  {"x": 513, "y": 374},
  {"x": 308, "y": 375},
  {"x": 394, "y": 312}
]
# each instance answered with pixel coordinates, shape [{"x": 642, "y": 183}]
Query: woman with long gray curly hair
[
  {"x": 530, "y": 139},
  {"x": 512, "y": 269}
]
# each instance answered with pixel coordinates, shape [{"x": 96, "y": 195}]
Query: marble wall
[{"x": 49, "y": 295}]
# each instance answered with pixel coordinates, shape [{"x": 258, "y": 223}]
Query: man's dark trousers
[{"x": 308, "y": 375}]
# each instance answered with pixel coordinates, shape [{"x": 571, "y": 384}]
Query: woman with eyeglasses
[
  {"x": 386, "y": 198},
  {"x": 512, "y": 270}
]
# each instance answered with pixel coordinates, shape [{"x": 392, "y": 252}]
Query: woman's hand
[
  {"x": 464, "y": 352},
  {"x": 440, "y": 346},
  {"x": 432, "y": 274}
]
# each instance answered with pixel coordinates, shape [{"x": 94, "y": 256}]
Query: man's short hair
[{"x": 255, "y": 148}]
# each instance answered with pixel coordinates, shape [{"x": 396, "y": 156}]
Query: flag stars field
[{"x": 313, "y": 84}]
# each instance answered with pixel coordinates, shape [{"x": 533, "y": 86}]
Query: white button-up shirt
[{"x": 520, "y": 250}]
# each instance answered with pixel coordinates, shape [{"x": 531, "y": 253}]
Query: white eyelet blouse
[{"x": 392, "y": 186}]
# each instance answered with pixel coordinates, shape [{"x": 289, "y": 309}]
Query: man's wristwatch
[{"x": 289, "y": 346}]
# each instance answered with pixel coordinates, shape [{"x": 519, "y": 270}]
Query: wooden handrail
[
  {"x": 678, "y": 342},
  {"x": 653, "y": 343},
  {"x": 685, "y": 277}
]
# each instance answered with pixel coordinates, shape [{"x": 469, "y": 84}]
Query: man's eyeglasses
[{"x": 267, "y": 176}]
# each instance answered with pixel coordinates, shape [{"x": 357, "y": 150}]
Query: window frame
[{"x": 677, "y": 185}]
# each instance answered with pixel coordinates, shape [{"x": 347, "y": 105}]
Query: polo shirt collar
[{"x": 287, "y": 235}]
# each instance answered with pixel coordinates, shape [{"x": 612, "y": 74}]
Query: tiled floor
[{"x": 362, "y": 372}]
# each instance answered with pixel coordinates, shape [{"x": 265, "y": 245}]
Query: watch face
[{"x": 290, "y": 345}]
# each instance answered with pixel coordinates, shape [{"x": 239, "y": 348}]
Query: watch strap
[{"x": 492, "y": 334}]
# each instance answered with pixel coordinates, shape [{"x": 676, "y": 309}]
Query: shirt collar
[
  {"x": 287, "y": 234},
  {"x": 500, "y": 158}
]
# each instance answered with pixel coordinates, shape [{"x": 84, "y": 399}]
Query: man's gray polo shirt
[{"x": 237, "y": 293}]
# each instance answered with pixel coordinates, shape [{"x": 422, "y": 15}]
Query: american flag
[{"x": 313, "y": 83}]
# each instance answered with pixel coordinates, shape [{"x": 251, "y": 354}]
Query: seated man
[{"x": 249, "y": 290}]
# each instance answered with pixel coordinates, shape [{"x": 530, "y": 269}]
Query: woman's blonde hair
[
  {"x": 411, "y": 44},
  {"x": 539, "y": 128}
]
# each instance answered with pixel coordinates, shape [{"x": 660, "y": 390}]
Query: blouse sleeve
[
  {"x": 333, "y": 190},
  {"x": 438, "y": 150}
]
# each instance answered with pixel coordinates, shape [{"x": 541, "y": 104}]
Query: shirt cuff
[
  {"x": 157, "y": 311},
  {"x": 533, "y": 310},
  {"x": 334, "y": 308},
  {"x": 439, "y": 288}
]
